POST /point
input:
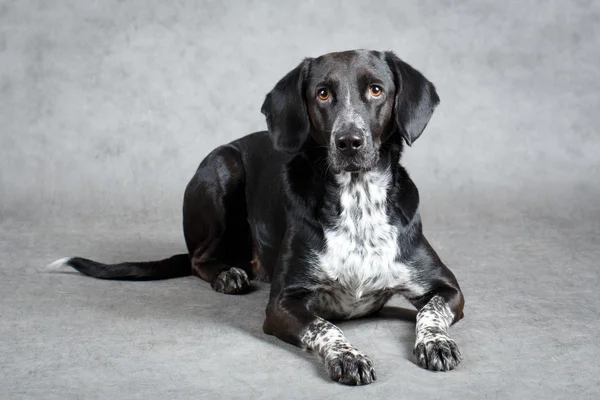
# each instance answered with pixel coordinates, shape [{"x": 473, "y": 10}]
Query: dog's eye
[
  {"x": 323, "y": 94},
  {"x": 375, "y": 90}
]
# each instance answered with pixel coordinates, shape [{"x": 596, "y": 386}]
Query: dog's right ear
[{"x": 285, "y": 110}]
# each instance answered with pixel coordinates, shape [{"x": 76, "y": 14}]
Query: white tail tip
[{"x": 59, "y": 264}]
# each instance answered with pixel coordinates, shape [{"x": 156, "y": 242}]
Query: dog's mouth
[
  {"x": 355, "y": 168},
  {"x": 352, "y": 165}
]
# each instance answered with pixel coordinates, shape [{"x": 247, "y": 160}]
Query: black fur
[
  {"x": 172, "y": 267},
  {"x": 258, "y": 206}
]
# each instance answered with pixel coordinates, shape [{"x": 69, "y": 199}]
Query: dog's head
[{"x": 351, "y": 102}]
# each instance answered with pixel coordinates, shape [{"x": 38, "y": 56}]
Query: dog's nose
[{"x": 349, "y": 144}]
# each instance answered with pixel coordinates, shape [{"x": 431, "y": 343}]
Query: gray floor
[{"x": 106, "y": 108}]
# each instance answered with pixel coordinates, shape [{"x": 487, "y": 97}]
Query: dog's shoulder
[{"x": 403, "y": 199}]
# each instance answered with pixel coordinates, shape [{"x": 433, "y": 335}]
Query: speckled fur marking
[
  {"x": 233, "y": 281},
  {"x": 344, "y": 363},
  {"x": 433, "y": 348},
  {"x": 360, "y": 268}
]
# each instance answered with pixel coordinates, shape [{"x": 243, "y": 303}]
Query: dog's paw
[
  {"x": 439, "y": 353},
  {"x": 232, "y": 281},
  {"x": 351, "y": 367}
]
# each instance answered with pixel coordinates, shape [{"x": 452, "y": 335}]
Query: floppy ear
[
  {"x": 416, "y": 99},
  {"x": 285, "y": 110}
]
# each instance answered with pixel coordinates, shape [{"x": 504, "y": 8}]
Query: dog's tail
[{"x": 173, "y": 267}]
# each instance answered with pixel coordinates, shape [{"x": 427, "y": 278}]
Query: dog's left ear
[
  {"x": 416, "y": 99},
  {"x": 285, "y": 110}
]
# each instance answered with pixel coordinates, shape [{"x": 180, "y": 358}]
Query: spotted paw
[
  {"x": 232, "y": 281},
  {"x": 351, "y": 367},
  {"x": 438, "y": 354}
]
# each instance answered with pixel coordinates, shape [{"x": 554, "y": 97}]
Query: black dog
[{"x": 320, "y": 206}]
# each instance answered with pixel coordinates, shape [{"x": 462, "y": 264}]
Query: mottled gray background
[{"x": 107, "y": 107}]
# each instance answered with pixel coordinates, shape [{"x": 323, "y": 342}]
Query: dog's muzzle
[{"x": 351, "y": 151}]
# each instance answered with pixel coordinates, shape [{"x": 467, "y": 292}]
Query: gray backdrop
[{"x": 107, "y": 107}]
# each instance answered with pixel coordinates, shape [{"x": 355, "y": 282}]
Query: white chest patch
[{"x": 360, "y": 267}]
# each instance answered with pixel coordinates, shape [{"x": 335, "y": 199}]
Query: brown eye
[
  {"x": 376, "y": 90},
  {"x": 323, "y": 94}
]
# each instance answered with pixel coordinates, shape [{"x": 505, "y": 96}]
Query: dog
[{"x": 320, "y": 206}]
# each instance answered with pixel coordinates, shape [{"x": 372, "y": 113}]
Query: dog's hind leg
[{"x": 215, "y": 222}]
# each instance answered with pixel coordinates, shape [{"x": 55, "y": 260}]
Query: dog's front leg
[
  {"x": 289, "y": 319},
  {"x": 434, "y": 349},
  {"x": 440, "y": 302}
]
